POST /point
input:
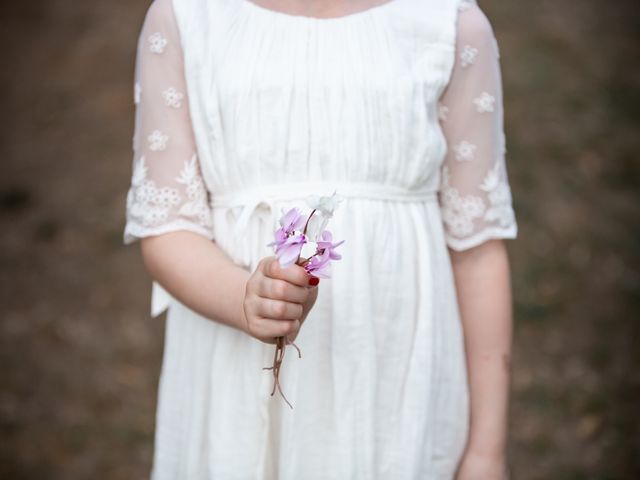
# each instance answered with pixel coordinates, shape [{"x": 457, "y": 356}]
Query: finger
[
  {"x": 293, "y": 273},
  {"x": 279, "y": 309},
  {"x": 272, "y": 327},
  {"x": 283, "y": 290}
]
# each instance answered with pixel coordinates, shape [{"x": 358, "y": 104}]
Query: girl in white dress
[{"x": 245, "y": 109}]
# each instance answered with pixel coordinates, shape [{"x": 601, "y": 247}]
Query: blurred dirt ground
[{"x": 80, "y": 358}]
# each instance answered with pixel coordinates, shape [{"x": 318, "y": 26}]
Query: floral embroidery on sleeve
[
  {"x": 157, "y": 141},
  {"x": 172, "y": 97},
  {"x": 137, "y": 93},
  {"x": 148, "y": 204},
  {"x": 198, "y": 205},
  {"x": 484, "y": 103},
  {"x": 465, "y": 5},
  {"x": 459, "y": 211},
  {"x": 465, "y": 151},
  {"x": 157, "y": 43},
  {"x": 474, "y": 194},
  {"x": 468, "y": 56},
  {"x": 499, "y": 193},
  {"x": 443, "y": 110},
  {"x": 167, "y": 191}
]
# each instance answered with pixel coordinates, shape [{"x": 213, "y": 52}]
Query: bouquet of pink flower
[{"x": 298, "y": 234}]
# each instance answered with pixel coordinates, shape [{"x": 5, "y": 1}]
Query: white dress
[{"x": 243, "y": 111}]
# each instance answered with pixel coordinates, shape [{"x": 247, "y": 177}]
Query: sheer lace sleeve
[
  {"x": 475, "y": 196},
  {"x": 167, "y": 192}
]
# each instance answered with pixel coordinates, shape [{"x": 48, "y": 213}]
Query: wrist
[
  {"x": 488, "y": 430},
  {"x": 489, "y": 442}
]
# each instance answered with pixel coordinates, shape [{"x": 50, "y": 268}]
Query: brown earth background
[{"x": 79, "y": 357}]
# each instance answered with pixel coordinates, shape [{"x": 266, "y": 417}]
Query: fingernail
[{"x": 314, "y": 281}]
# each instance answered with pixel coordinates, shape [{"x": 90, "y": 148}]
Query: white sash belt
[
  {"x": 267, "y": 196},
  {"x": 262, "y": 200}
]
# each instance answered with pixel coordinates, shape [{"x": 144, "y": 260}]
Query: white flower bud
[{"x": 324, "y": 204}]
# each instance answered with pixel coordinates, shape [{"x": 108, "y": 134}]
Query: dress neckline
[{"x": 268, "y": 12}]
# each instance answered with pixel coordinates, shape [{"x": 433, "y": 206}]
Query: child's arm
[
  {"x": 168, "y": 209},
  {"x": 199, "y": 274},
  {"x": 268, "y": 303},
  {"x": 476, "y": 210},
  {"x": 484, "y": 296}
]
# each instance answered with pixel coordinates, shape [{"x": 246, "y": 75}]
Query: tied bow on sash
[{"x": 259, "y": 209}]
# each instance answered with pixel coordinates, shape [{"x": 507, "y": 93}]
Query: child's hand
[{"x": 277, "y": 300}]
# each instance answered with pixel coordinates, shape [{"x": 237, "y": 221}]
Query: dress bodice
[{"x": 283, "y": 98}]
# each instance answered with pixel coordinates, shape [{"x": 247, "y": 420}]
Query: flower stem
[
  {"x": 278, "y": 355},
  {"x": 306, "y": 260},
  {"x": 304, "y": 232}
]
